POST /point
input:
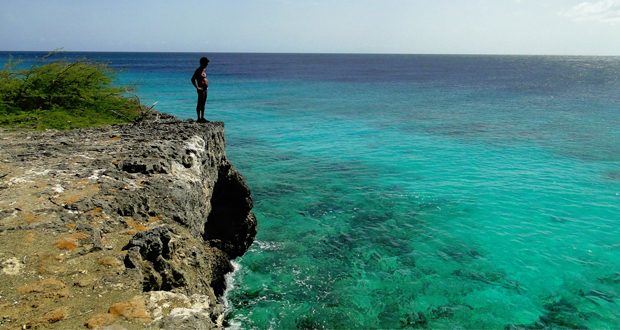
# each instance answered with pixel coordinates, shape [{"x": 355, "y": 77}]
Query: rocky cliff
[{"x": 127, "y": 226}]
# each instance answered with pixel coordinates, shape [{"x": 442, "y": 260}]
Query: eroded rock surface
[{"x": 129, "y": 226}]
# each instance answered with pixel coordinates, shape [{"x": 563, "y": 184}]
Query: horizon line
[{"x": 60, "y": 50}]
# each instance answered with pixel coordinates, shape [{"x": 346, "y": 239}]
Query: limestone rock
[
  {"x": 12, "y": 266},
  {"x": 120, "y": 211},
  {"x": 177, "y": 311}
]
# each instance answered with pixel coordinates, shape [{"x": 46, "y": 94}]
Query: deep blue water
[{"x": 436, "y": 191}]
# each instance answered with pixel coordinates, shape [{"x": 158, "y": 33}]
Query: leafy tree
[{"x": 64, "y": 94}]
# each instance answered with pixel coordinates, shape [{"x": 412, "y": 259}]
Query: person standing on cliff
[{"x": 199, "y": 80}]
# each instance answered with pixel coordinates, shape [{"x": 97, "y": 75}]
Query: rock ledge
[{"x": 125, "y": 226}]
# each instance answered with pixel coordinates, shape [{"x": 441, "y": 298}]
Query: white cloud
[{"x": 604, "y": 11}]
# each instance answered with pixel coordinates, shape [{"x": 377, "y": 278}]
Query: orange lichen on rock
[
  {"x": 72, "y": 200},
  {"x": 75, "y": 195},
  {"x": 65, "y": 244},
  {"x": 78, "y": 236},
  {"x": 131, "y": 223},
  {"x": 129, "y": 232},
  {"x": 100, "y": 320},
  {"x": 155, "y": 219},
  {"x": 31, "y": 218},
  {"x": 130, "y": 310},
  {"x": 80, "y": 183}
]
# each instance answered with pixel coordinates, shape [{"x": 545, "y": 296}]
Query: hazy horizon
[{"x": 284, "y": 53}]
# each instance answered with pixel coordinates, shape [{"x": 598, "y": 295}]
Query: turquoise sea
[{"x": 414, "y": 191}]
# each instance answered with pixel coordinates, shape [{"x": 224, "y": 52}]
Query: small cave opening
[{"x": 231, "y": 226}]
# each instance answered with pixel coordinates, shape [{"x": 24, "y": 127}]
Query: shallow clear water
[{"x": 477, "y": 191}]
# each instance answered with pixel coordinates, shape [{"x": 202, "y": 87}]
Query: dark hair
[{"x": 204, "y": 61}]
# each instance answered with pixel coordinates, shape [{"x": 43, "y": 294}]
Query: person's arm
[{"x": 195, "y": 80}]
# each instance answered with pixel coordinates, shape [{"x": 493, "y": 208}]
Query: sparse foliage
[{"x": 63, "y": 94}]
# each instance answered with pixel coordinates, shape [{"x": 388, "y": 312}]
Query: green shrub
[{"x": 64, "y": 94}]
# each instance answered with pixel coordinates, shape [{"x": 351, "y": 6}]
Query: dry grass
[
  {"x": 48, "y": 285},
  {"x": 130, "y": 310},
  {"x": 64, "y": 244},
  {"x": 100, "y": 320},
  {"x": 109, "y": 262},
  {"x": 55, "y": 315}
]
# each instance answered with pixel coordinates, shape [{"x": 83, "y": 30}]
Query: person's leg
[
  {"x": 204, "y": 102},
  {"x": 200, "y": 105}
]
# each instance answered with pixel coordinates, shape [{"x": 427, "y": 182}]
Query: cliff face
[{"x": 133, "y": 225}]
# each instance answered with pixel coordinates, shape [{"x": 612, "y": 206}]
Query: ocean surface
[{"x": 399, "y": 191}]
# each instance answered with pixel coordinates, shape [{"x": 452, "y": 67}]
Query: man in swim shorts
[{"x": 199, "y": 80}]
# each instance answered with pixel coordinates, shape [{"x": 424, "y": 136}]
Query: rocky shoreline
[{"x": 125, "y": 226}]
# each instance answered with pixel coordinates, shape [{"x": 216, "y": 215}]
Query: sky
[{"x": 519, "y": 27}]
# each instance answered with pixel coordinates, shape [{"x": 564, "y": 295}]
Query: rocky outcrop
[{"x": 134, "y": 224}]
